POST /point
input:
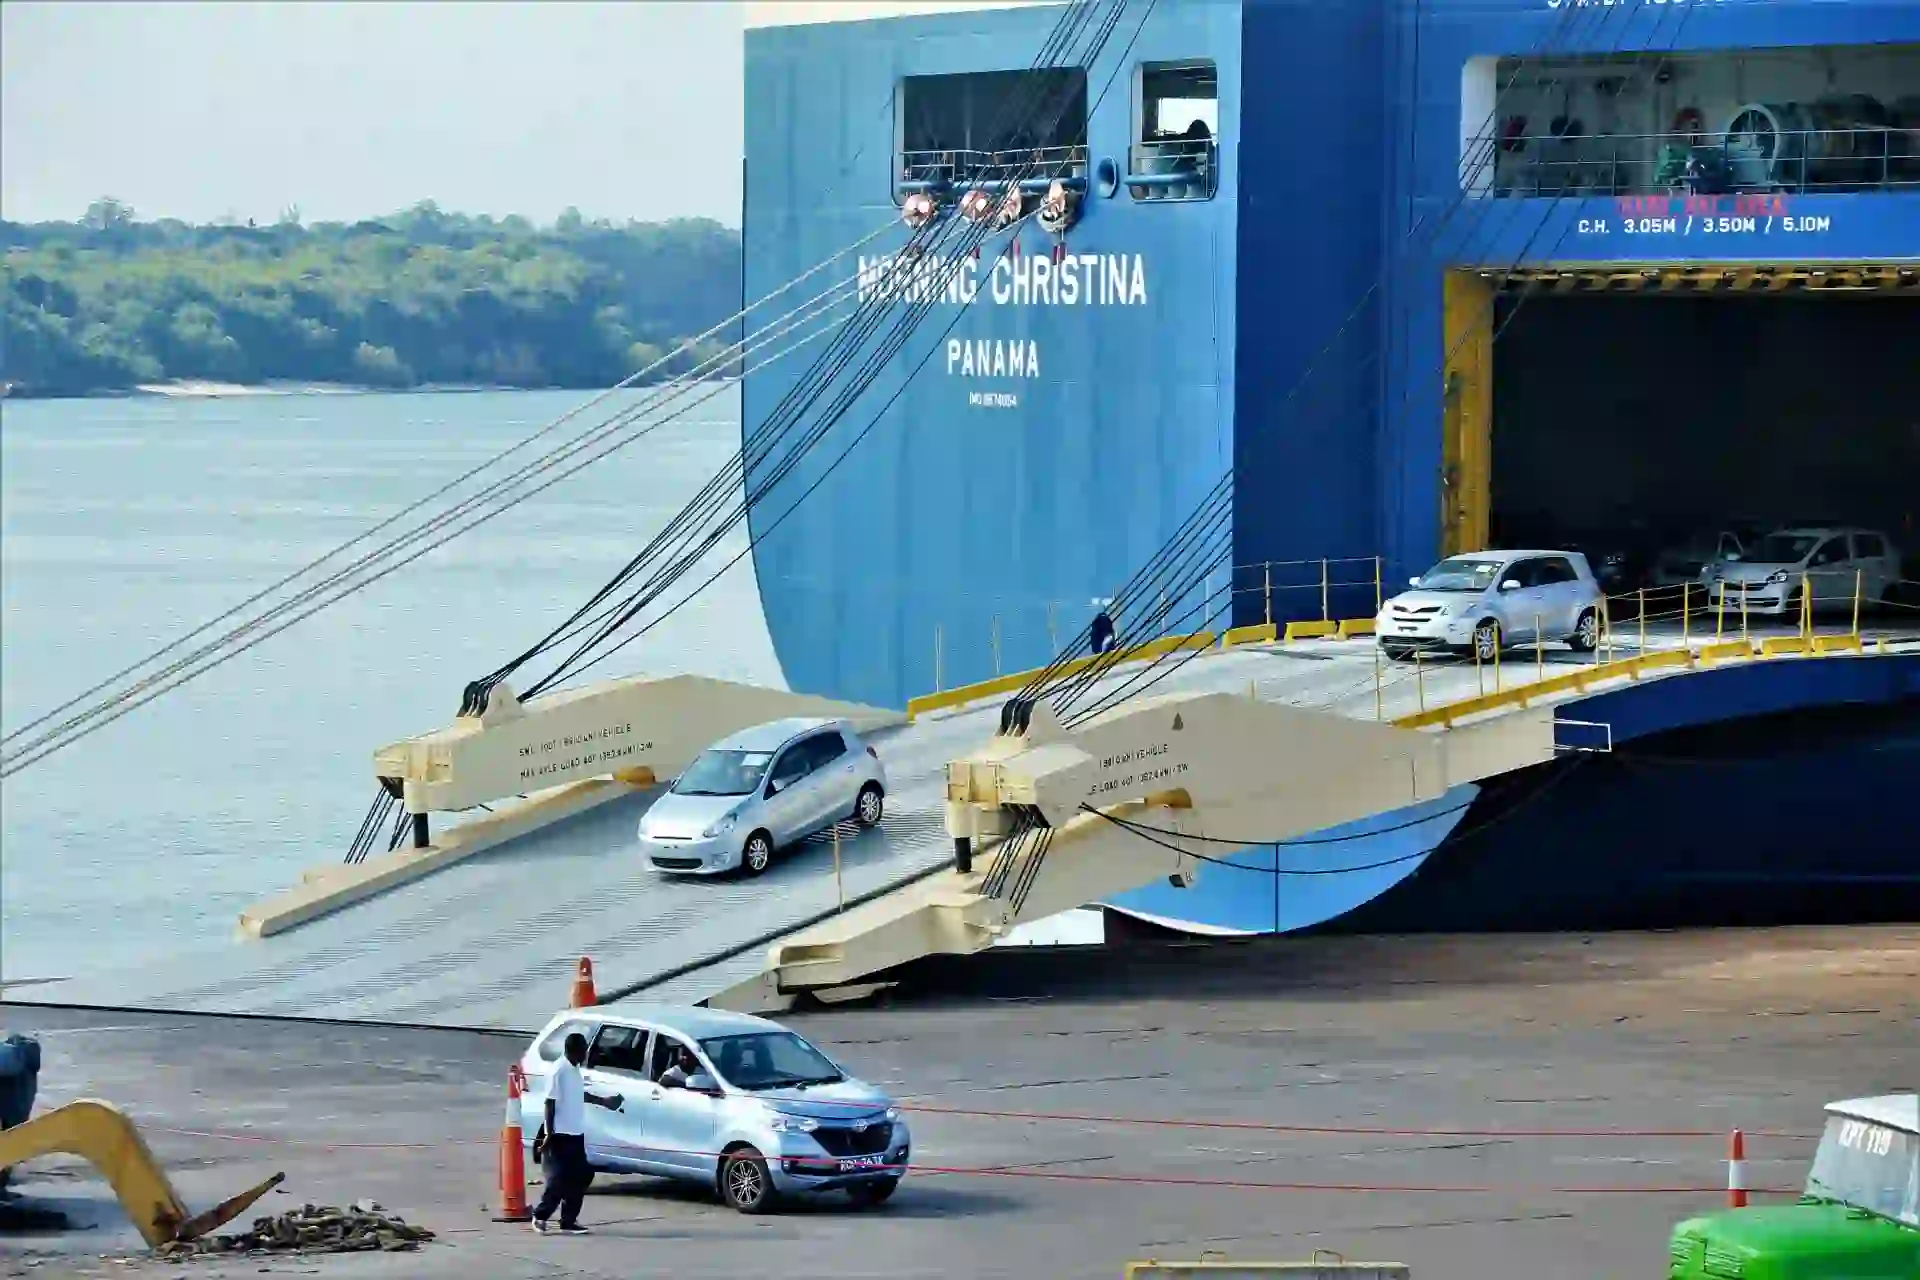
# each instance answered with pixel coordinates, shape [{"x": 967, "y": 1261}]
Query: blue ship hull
[{"x": 1057, "y": 417}]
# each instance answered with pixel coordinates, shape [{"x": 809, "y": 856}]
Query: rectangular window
[
  {"x": 1819, "y": 118},
  {"x": 1175, "y": 153},
  {"x": 988, "y": 126}
]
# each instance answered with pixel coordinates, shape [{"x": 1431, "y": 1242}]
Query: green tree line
[{"x": 421, "y": 298}]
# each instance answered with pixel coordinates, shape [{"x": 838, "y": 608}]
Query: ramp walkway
[{"x": 1284, "y": 740}]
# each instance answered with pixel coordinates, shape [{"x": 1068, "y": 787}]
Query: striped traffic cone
[
  {"x": 1737, "y": 1171},
  {"x": 583, "y": 994},
  {"x": 513, "y": 1166}
]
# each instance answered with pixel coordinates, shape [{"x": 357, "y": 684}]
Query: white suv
[
  {"x": 1836, "y": 565},
  {"x": 1487, "y": 599}
]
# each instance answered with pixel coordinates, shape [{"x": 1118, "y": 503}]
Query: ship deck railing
[
  {"x": 1797, "y": 162},
  {"x": 958, "y": 171},
  {"x": 1173, "y": 169}
]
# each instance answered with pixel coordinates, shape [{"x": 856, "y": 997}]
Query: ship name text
[{"x": 1076, "y": 280}]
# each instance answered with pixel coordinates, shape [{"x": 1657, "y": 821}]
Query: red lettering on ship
[{"x": 1740, "y": 206}]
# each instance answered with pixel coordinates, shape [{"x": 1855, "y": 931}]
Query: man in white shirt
[{"x": 565, "y": 1138}]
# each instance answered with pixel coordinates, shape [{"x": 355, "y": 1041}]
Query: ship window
[
  {"x": 990, "y": 126},
  {"x": 1175, "y": 153},
  {"x": 1814, "y": 118}
]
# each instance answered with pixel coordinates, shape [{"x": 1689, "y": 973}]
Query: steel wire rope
[
  {"x": 40, "y": 749},
  {"x": 28, "y": 755},
  {"x": 803, "y": 395},
  {"x": 1566, "y": 20},
  {"x": 828, "y": 471},
  {"x": 550, "y": 427},
  {"x": 1545, "y": 219},
  {"x": 366, "y": 560},
  {"x": 886, "y": 106},
  {"x": 761, "y": 338}
]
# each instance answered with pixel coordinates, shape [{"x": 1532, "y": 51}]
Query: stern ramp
[{"x": 482, "y": 925}]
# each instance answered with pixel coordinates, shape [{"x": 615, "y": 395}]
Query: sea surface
[{"x": 125, "y": 523}]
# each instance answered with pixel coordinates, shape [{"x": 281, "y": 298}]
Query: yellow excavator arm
[{"x": 102, "y": 1135}]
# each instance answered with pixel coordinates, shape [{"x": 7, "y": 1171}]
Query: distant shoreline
[{"x": 202, "y": 389}]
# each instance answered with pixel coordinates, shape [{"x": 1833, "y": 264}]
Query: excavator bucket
[{"x": 102, "y": 1135}]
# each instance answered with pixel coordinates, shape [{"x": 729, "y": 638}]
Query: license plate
[{"x": 860, "y": 1164}]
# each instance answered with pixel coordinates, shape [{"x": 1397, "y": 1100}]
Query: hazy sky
[{"x": 350, "y": 110}]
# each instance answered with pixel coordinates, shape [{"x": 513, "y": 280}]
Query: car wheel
[
  {"x": 744, "y": 1183},
  {"x": 757, "y": 854},
  {"x": 868, "y": 809},
  {"x": 867, "y": 1195},
  {"x": 1396, "y": 652},
  {"x": 1586, "y": 633},
  {"x": 1486, "y": 640}
]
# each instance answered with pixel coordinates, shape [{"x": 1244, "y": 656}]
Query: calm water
[{"x": 127, "y": 522}]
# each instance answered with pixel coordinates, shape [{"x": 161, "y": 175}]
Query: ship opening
[{"x": 1656, "y": 418}]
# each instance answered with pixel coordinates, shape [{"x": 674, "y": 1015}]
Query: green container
[{"x": 1859, "y": 1217}]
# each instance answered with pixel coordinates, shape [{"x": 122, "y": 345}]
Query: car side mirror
[
  {"x": 773, "y": 786},
  {"x": 701, "y": 1082},
  {"x": 1511, "y": 584},
  {"x": 1413, "y": 582}
]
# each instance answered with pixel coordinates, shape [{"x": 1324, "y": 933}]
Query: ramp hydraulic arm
[{"x": 1224, "y": 766}]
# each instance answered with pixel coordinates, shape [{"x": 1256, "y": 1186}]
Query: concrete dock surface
[{"x": 1062, "y": 1091}]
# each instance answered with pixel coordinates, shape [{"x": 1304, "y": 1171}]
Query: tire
[
  {"x": 870, "y": 807},
  {"x": 1486, "y": 639},
  {"x": 871, "y": 1195},
  {"x": 1396, "y": 653},
  {"x": 744, "y": 1183},
  {"x": 757, "y": 854},
  {"x": 1586, "y": 633}
]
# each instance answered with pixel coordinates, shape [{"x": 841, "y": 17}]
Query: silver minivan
[
  {"x": 762, "y": 1114},
  {"x": 757, "y": 791}
]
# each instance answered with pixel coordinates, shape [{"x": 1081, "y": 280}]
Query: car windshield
[
  {"x": 1460, "y": 574},
  {"x": 770, "y": 1060},
  {"x": 1868, "y": 1166},
  {"x": 723, "y": 773},
  {"x": 1782, "y": 548}
]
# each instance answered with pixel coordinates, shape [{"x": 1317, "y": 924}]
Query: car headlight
[
  {"x": 893, "y": 1113},
  {"x": 1776, "y": 577},
  {"x": 780, "y": 1122},
  {"x": 719, "y": 828}
]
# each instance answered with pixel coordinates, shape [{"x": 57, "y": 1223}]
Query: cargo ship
[{"x": 1427, "y": 276}]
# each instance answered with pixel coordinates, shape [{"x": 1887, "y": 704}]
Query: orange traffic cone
[
  {"x": 583, "y": 995},
  {"x": 1737, "y": 1171},
  {"x": 513, "y": 1166}
]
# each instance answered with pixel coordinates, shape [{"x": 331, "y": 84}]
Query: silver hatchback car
[
  {"x": 759, "y": 790},
  {"x": 760, "y": 1113}
]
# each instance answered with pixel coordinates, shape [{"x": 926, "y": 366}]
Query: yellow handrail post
[
  {"x": 1479, "y": 672},
  {"x": 1857, "y": 586},
  {"x": 1606, "y": 625},
  {"x": 1326, "y": 612},
  {"x": 1419, "y": 679},
  {"x": 839, "y": 887},
  {"x": 996, "y": 645},
  {"x": 939, "y": 652},
  {"x": 1744, "y": 633},
  {"x": 1497, "y": 638},
  {"x": 1720, "y": 615},
  {"x": 1268, "y": 568},
  {"x": 1379, "y": 699},
  {"x": 1539, "y": 651},
  {"x": 1806, "y": 608},
  {"x": 1378, "y": 600},
  {"x": 1643, "y": 620},
  {"x": 1686, "y": 616}
]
